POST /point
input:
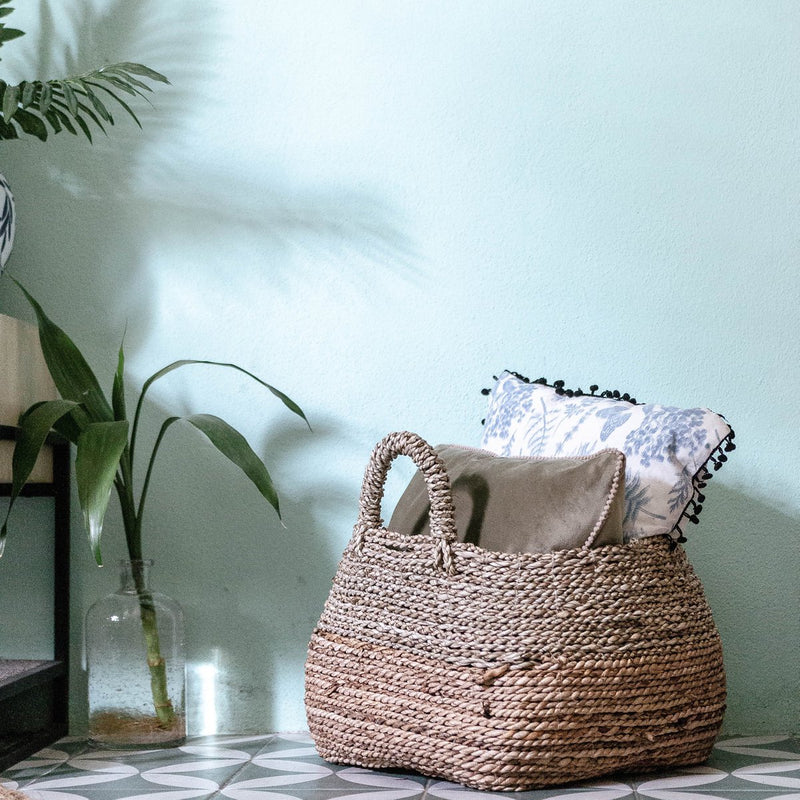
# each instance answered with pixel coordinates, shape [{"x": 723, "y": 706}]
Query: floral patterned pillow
[{"x": 668, "y": 449}]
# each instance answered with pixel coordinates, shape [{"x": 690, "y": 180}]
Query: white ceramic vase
[{"x": 7, "y": 221}]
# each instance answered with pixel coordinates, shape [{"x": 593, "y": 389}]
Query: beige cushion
[{"x": 524, "y": 505}]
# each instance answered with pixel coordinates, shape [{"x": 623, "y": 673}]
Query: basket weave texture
[{"x": 507, "y": 671}]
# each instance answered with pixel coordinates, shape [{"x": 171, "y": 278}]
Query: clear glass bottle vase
[{"x": 135, "y": 656}]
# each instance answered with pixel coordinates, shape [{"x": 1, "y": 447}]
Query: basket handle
[{"x": 442, "y": 516}]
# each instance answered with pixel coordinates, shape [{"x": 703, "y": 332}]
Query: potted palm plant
[{"x": 107, "y": 453}]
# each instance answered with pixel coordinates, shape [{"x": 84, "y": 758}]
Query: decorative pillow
[
  {"x": 523, "y": 505},
  {"x": 667, "y": 449}
]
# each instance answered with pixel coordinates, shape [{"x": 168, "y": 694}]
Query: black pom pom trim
[
  {"x": 701, "y": 478},
  {"x": 560, "y": 389}
]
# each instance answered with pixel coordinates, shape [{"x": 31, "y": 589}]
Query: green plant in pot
[{"x": 108, "y": 452}]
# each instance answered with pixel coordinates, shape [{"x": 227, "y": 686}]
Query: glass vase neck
[{"x": 134, "y": 574}]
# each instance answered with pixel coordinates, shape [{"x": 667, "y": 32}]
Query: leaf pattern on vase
[{"x": 7, "y": 221}]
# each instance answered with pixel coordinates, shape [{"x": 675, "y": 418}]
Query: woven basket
[{"x": 509, "y": 671}]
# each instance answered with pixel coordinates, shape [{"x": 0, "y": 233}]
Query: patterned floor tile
[
  {"x": 336, "y": 781},
  {"x": 590, "y": 790},
  {"x": 42, "y": 762},
  {"x": 196, "y": 770},
  {"x": 287, "y": 767},
  {"x": 741, "y": 764},
  {"x": 689, "y": 794},
  {"x": 289, "y": 762}
]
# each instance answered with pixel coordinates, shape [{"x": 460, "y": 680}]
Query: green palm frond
[{"x": 77, "y": 103}]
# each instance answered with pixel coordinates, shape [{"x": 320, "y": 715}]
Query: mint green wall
[{"x": 376, "y": 206}]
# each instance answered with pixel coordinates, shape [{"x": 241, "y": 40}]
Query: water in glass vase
[{"x": 136, "y": 665}]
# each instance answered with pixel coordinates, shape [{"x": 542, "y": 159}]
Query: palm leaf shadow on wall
[{"x": 137, "y": 190}]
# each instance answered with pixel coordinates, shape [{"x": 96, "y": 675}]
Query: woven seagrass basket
[{"x": 509, "y": 671}]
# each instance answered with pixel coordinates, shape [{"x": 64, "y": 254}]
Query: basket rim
[{"x": 475, "y": 553}]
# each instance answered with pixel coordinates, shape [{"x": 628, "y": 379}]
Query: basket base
[{"x": 376, "y": 707}]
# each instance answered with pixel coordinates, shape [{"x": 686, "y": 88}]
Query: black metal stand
[{"x": 34, "y": 694}]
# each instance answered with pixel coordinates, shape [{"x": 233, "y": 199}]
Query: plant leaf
[
  {"x": 71, "y": 374},
  {"x": 52, "y": 117},
  {"x": 28, "y": 90},
  {"x": 98, "y": 106},
  {"x": 7, "y": 130},
  {"x": 88, "y": 111},
  {"x": 69, "y": 96},
  {"x": 84, "y": 127},
  {"x": 140, "y": 69},
  {"x": 120, "y": 101},
  {"x": 31, "y": 124},
  {"x": 287, "y": 401},
  {"x": 234, "y": 446},
  {"x": 35, "y": 424},
  {"x": 72, "y": 425},
  {"x": 99, "y": 450},
  {"x": 129, "y": 79},
  {"x": 7, "y": 34},
  {"x": 61, "y": 109},
  {"x": 64, "y": 118},
  {"x": 118, "y": 83},
  {"x": 10, "y": 102},
  {"x": 45, "y": 98},
  {"x": 118, "y": 391}
]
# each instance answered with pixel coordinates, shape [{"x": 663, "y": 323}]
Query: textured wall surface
[{"x": 376, "y": 207}]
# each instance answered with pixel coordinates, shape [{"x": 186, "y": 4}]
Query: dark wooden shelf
[
  {"x": 19, "y": 675},
  {"x": 34, "y": 693}
]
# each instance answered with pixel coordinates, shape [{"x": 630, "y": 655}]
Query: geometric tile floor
[{"x": 286, "y": 767}]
